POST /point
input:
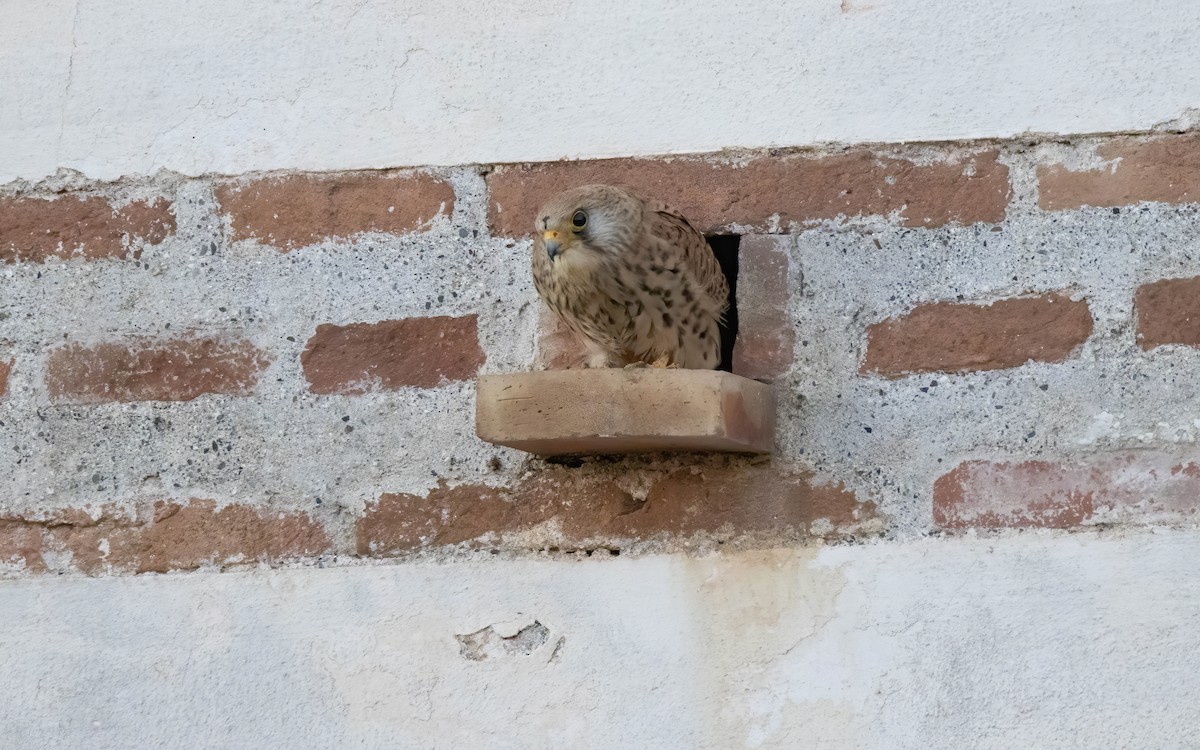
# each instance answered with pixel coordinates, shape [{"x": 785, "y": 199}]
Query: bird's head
[{"x": 587, "y": 223}]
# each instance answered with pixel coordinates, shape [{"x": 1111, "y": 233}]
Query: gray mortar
[{"x": 283, "y": 447}]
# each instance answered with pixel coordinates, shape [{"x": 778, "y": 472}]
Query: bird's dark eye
[{"x": 579, "y": 220}]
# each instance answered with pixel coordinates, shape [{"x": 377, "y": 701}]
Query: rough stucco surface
[
  {"x": 230, "y": 87},
  {"x": 1026, "y": 641}
]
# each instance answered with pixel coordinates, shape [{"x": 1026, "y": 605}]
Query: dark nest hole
[{"x": 725, "y": 247}]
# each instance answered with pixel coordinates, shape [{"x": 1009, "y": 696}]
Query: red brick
[
  {"x": 302, "y": 209},
  {"x": 765, "y": 346},
  {"x": 153, "y": 370},
  {"x": 167, "y": 536},
  {"x": 34, "y": 229},
  {"x": 392, "y": 354},
  {"x": 756, "y": 499},
  {"x": 21, "y": 545},
  {"x": 1164, "y": 169},
  {"x": 182, "y": 537},
  {"x": 1145, "y": 488},
  {"x": 960, "y": 337},
  {"x": 571, "y": 510},
  {"x": 1168, "y": 312},
  {"x": 1031, "y": 494},
  {"x": 5, "y": 367},
  {"x": 716, "y": 195},
  {"x": 447, "y": 515}
]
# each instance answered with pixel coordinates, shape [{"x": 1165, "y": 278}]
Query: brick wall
[{"x": 268, "y": 369}]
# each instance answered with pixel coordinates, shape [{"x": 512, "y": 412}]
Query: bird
[{"x": 631, "y": 278}]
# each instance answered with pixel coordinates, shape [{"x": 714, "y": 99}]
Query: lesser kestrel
[{"x": 631, "y": 277}]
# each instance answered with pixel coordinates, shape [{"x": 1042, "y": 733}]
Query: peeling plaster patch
[
  {"x": 1188, "y": 119},
  {"x": 1075, "y": 154},
  {"x": 848, "y": 7},
  {"x": 488, "y": 643}
]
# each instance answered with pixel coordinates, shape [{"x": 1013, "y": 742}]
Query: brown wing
[{"x": 673, "y": 229}]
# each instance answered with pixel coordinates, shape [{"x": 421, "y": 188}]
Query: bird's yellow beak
[{"x": 553, "y": 242}]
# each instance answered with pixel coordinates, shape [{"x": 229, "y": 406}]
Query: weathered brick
[
  {"x": 1168, "y": 312},
  {"x": 447, "y": 515},
  {"x": 765, "y": 346},
  {"x": 153, "y": 370},
  {"x": 483, "y": 515},
  {"x": 21, "y": 545},
  {"x": 298, "y": 210},
  {"x": 746, "y": 500},
  {"x": 1165, "y": 169},
  {"x": 416, "y": 352},
  {"x": 558, "y": 507},
  {"x": 717, "y": 195},
  {"x": 182, "y": 537},
  {"x": 959, "y": 337},
  {"x": 1145, "y": 488},
  {"x": 1031, "y": 494},
  {"x": 34, "y": 229},
  {"x": 166, "y": 536}
]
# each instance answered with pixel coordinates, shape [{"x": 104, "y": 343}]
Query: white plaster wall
[
  {"x": 1022, "y": 641},
  {"x": 226, "y": 86}
]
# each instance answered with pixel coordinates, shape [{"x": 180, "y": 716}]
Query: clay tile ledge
[{"x": 559, "y": 412}]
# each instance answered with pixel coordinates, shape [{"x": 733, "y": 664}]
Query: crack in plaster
[{"x": 62, "y": 122}]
